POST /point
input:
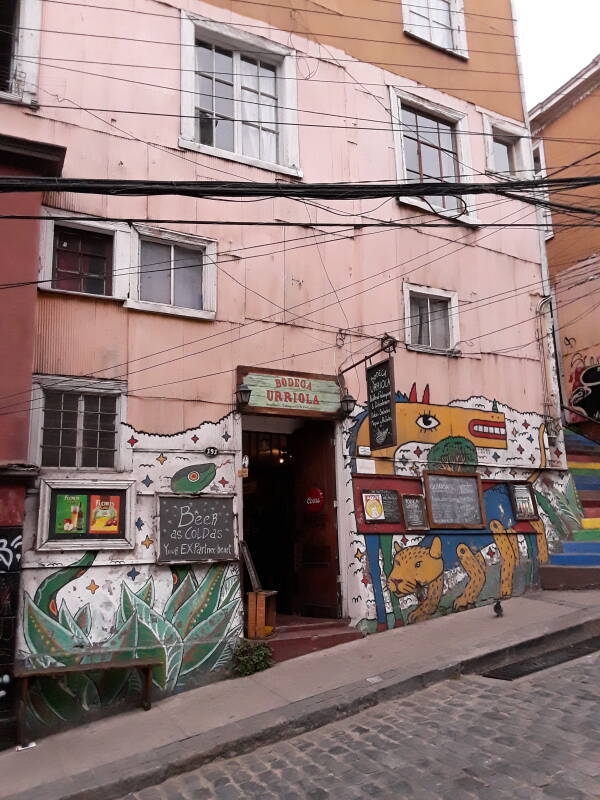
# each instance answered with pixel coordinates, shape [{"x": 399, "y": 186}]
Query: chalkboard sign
[
  {"x": 415, "y": 513},
  {"x": 453, "y": 500},
  {"x": 196, "y": 529},
  {"x": 254, "y": 579},
  {"x": 381, "y": 505},
  {"x": 381, "y": 400}
]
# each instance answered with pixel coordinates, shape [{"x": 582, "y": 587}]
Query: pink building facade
[{"x": 151, "y": 311}]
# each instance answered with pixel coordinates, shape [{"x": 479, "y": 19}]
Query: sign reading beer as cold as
[
  {"x": 291, "y": 393},
  {"x": 196, "y": 529}
]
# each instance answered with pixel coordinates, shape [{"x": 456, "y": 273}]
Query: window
[
  {"x": 431, "y": 318},
  {"x": 503, "y": 156},
  {"x": 218, "y": 93},
  {"x": 82, "y": 261},
  {"x": 79, "y": 430},
  {"x": 430, "y": 152},
  {"x": 170, "y": 275},
  {"x": 238, "y": 96},
  {"x": 539, "y": 171},
  {"x": 439, "y": 22},
  {"x": 9, "y": 12}
]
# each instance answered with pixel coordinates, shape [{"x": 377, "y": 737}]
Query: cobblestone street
[{"x": 538, "y": 737}]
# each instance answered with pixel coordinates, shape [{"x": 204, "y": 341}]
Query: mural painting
[
  {"x": 409, "y": 577},
  {"x": 115, "y": 605}
]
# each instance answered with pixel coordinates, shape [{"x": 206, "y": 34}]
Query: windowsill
[
  {"x": 432, "y": 351},
  {"x": 89, "y": 295},
  {"x": 187, "y": 144},
  {"x": 451, "y": 51},
  {"x": 16, "y": 99},
  {"x": 469, "y": 220},
  {"x": 174, "y": 311}
]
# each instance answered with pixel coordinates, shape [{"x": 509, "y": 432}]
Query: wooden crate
[{"x": 260, "y": 615}]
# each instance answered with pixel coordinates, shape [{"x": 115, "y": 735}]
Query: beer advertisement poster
[
  {"x": 70, "y": 515},
  {"x": 104, "y": 513}
]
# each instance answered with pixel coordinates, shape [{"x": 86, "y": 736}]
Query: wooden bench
[{"x": 24, "y": 674}]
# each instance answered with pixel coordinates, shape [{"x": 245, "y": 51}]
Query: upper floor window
[
  {"x": 83, "y": 261},
  {"x": 79, "y": 430},
  {"x": 430, "y": 152},
  {"x": 439, "y": 22},
  {"x": 238, "y": 98},
  {"x": 431, "y": 318},
  {"x": 504, "y": 161},
  {"x": 9, "y": 13},
  {"x": 171, "y": 274},
  {"x": 226, "y": 81},
  {"x": 539, "y": 171}
]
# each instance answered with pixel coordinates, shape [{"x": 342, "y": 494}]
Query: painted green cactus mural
[{"x": 193, "y": 633}]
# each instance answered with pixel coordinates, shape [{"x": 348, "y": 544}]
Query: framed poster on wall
[
  {"x": 86, "y": 516},
  {"x": 523, "y": 501}
]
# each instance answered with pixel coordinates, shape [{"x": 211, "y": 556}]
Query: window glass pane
[
  {"x": 204, "y": 133},
  {"x": 442, "y": 36},
  {"x": 155, "y": 272},
  {"x": 188, "y": 278},
  {"x": 223, "y": 64},
  {"x": 269, "y": 146},
  {"x": 250, "y": 141},
  {"x": 537, "y": 161},
  {"x": 224, "y": 134},
  {"x": 439, "y": 323},
  {"x": 440, "y": 12},
  {"x": 50, "y": 456},
  {"x": 249, "y": 105},
  {"x": 268, "y": 111},
  {"x": 106, "y": 441},
  {"x": 89, "y": 457},
  {"x": 204, "y": 90},
  {"x": 428, "y": 130},
  {"x": 108, "y": 403},
  {"x": 204, "y": 57},
  {"x": 411, "y": 154},
  {"x": 224, "y": 98},
  {"x": 267, "y": 79},
  {"x": 446, "y": 136},
  {"x": 106, "y": 458},
  {"x": 413, "y": 177},
  {"x": 502, "y": 157},
  {"x": 419, "y": 320},
  {"x": 449, "y": 171},
  {"x": 90, "y": 438},
  {"x": 249, "y": 73},
  {"x": 409, "y": 119},
  {"x": 68, "y": 457},
  {"x": 53, "y": 400},
  {"x": 93, "y": 286},
  {"x": 431, "y": 162}
]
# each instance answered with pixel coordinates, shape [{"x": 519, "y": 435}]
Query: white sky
[{"x": 557, "y": 39}]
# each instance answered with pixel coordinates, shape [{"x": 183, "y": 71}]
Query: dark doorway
[{"x": 294, "y": 543}]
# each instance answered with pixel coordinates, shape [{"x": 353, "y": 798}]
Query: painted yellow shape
[
  {"x": 429, "y": 424},
  {"x": 590, "y": 523},
  {"x": 579, "y": 465}
]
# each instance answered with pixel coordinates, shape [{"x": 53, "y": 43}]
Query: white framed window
[
  {"x": 441, "y": 23},
  {"x": 174, "y": 273},
  {"x": 505, "y": 148},
  {"x": 539, "y": 171},
  {"x": 76, "y": 423},
  {"x": 238, "y": 96},
  {"x": 431, "y": 319},
  {"x": 431, "y": 145},
  {"x": 20, "y": 23},
  {"x": 90, "y": 258}
]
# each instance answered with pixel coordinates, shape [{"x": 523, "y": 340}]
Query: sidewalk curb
[{"x": 114, "y": 780}]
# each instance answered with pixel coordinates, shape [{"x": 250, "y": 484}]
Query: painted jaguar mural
[{"x": 407, "y": 577}]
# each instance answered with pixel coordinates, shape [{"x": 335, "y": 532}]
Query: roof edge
[{"x": 566, "y": 95}]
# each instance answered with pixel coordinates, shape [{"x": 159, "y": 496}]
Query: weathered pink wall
[{"x": 83, "y": 336}]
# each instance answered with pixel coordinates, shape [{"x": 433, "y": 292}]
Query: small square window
[
  {"x": 79, "y": 430},
  {"x": 429, "y": 322},
  {"x": 83, "y": 261},
  {"x": 171, "y": 274}
]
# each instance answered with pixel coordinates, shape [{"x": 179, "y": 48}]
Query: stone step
[
  {"x": 562, "y": 577},
  {"x": 575, "y": 559},
  {"x": 294, "y": 643},
  {"x": 582, "y": 546},
  {"x": 288, "y": 623}
]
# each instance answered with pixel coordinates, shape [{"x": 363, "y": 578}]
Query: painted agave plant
[{"x": 194, "y": 633}]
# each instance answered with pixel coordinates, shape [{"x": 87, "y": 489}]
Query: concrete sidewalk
[{"x": 108, "y": 758}]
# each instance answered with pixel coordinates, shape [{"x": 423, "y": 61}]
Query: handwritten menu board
[
  {"x": 454, "y": 501},
  {"x": 196, "y": 529},
  {"x": 415, "y": 513},
  {"x": 380, "y": 397},
  {"x": 387, "y": 501}
]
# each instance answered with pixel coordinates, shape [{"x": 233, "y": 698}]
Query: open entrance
[{"x": 290, "y": 512}]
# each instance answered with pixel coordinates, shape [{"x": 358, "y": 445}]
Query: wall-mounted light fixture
[
  {"x": 242, "y": 395},
  {"x": 347, "y": 403}
]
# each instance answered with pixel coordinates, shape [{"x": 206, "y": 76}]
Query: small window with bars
[
  {"x": 79, "y": 430},
  {"x": 430, "y": 322},
  {"x": 236, "y": 102},
  {"x": 83, "y": 261}
]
